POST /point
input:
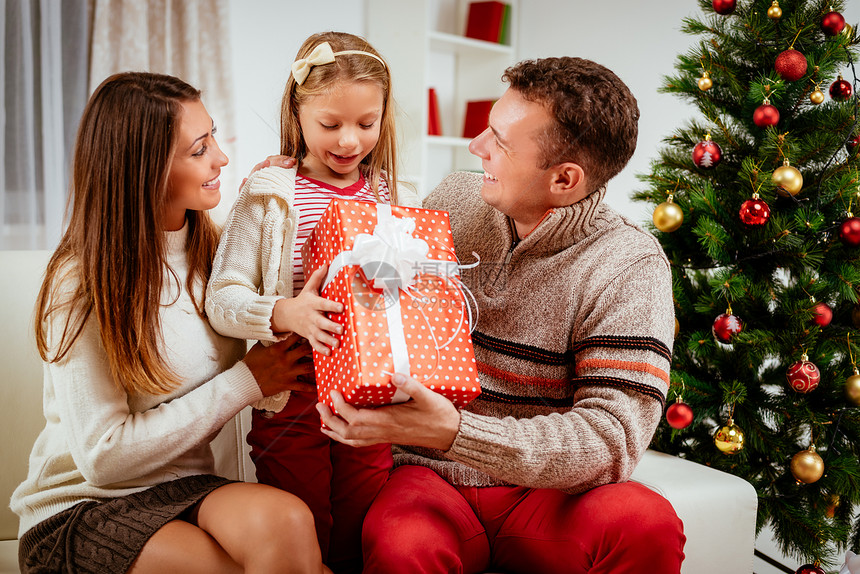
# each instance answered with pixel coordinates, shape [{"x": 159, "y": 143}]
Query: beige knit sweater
[{"x": 573, "y": 345}]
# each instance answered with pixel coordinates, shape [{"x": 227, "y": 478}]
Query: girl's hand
[
  {"x": 276, "y": 160},
  {"x": 305, "y": 314},
  {"x": 282, "y": 366}
]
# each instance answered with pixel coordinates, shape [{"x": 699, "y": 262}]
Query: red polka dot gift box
[{"x": 405, "y": 310}]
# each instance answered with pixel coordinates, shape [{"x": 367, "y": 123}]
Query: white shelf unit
[{"x": 423, "y": 42}]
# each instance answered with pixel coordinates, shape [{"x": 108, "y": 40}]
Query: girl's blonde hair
[
  {"x": 322, "y": 80},
  {"x": 110, "y": 263}
]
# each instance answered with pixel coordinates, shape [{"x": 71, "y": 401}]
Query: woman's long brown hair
[{"x": 110, "y": 263}]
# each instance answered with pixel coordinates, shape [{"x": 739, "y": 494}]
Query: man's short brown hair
[{"x": 595, "y": 115}]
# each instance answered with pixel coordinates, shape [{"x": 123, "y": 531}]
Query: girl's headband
[{"x": 321, "y": 55}]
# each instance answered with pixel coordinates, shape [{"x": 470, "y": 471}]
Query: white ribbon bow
[
  {"x": 391, "y": 257},
  {"x": 320, "y": 55}
]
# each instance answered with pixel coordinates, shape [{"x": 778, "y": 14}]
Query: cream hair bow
[{"x": 320, "y": 56}]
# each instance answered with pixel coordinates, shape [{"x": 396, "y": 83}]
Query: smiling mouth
[
  {"x": 491, "y": 177},
  {"x": 213, "y": 184},
  {"x": 343, "y": 158}
]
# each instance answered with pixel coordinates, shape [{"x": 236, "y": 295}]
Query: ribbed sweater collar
[
  {"x": 175, "y": 241},
  {"x": 561, "y": 227}
]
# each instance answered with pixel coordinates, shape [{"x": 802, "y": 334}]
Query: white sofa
[{"x": 718, "y": 509}]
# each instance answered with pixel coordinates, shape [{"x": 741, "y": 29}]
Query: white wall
[{"x": 265, "y": 36}]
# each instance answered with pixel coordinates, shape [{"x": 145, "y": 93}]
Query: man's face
[{"x": 514, "y": 181}]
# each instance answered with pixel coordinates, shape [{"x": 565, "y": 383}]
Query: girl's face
[
  {"x": 193, "y": 179},
  {"x": 340, "y": 129}
]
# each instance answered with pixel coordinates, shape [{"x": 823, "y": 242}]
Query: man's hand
[
  {"x": 428, "y": 420},
  {"x": 277, "y": 160}
]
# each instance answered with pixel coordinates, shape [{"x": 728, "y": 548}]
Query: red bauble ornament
[
  {"x": 840, "y": 89},
  {"x": 790, "y": 65},
  {"x": 809, "y": 569},
  {"x": 724, "y": 6},
  {"x": 707, "y": 154},
  {"x": 754, "y": 212},
  {"x": 823, "y": 314},
  {"x": 832, "y": 23},
  {"x": 766, "y": 115},
  {"x": 849, "y": 232},
  {"x": 852, "y": 144},
  {"x": 803, "y": 376},
  {"x": 679, "y": 415},
  {"x": 726, "y": 326}
]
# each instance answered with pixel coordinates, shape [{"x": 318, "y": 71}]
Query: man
[{"x": 573, "y": 348}]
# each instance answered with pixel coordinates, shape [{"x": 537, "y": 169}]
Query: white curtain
[
  {"x": 44, "y": 69},
  {"x": 185, "y": 38}
]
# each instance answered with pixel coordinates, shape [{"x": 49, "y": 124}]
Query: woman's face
[
  {"x": 340, "y": 128},
  {"x": 193, "y": 179}
]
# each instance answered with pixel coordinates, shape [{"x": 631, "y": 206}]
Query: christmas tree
[{"x": 753, "y": 206}]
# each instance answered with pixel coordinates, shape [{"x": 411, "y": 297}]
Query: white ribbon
[
  {"x": 391, "y": 259},
  {"x": 320, "y": 56}
]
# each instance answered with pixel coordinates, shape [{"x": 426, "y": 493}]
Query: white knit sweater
[{"x": 100, "y": 442}]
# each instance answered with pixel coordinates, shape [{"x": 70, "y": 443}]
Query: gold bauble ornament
[
  {"x": 668, "y": 216},
  {"x": 774, "y": 12},
  {"x": 677, "y": 328},
  {"x": 816, "y": 97},
  {"x": 705, "y": 82},
  {"x": 729, "y": 438},
  {"x": 788, "y": 180},
  {"x": 807, "y": 466},
  {"x": 852, "y": 388},
  {"x": 832, "y": 504}
]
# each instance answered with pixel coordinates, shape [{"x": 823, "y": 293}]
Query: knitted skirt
[{"x": 106, "y": 536}]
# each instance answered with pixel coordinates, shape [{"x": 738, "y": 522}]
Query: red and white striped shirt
[{"x": 311, "y": 199}]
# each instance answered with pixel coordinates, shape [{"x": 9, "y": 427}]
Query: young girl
[
  {"x": 136, "y": 382},
  {"x": 337, "y": 120}
]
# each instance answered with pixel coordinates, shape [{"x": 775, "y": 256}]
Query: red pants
[
  {"x": 420, "y": 523},
  {"x": 336, "y": 481}
]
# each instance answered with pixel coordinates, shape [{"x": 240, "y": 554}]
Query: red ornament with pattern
[
  {"x": 707, "y": 154},
  {"x": 809, "y": 569},
  {"x": 803, "y": 376}
]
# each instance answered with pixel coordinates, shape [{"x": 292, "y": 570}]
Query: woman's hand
[
  {"x": 276, "y": 160},
  {"x": 283, "y": 366}
]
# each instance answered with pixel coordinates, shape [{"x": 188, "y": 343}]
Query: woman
[{"x": 136, "y": 382}]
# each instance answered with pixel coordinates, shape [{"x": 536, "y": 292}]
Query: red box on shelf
[
  {"x": 485, "y": 21},
  {"x": 374, "y": 252},
  {"x": 477, "y": 117}
]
